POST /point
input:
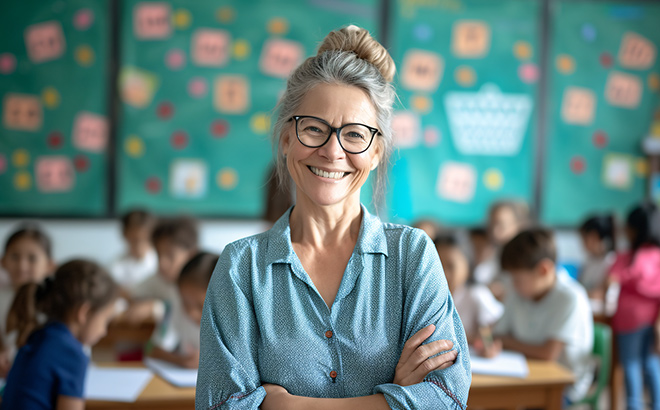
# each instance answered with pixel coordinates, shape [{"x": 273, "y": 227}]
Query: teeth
[{"x": 332, "y": 175}]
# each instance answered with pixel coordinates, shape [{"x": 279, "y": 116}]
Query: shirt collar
[{"x": 371, "y": 238}]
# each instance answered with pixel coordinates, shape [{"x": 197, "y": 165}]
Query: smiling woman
[{"x": 332, "y": 308}]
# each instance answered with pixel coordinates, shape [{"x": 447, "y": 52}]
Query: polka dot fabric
[{"x": 265, "y": 322}]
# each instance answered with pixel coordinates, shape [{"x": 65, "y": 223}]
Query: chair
[{"x": 603, "y": 353}]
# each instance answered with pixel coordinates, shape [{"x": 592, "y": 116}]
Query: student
[
  {"x": 177, "y": 341},
  {"x": 638, "y": 273},
  {"x": 27, "y": 258},
  {"x": 476, "y": 305},
  {"x": 505, "y": 220},
  {"x": 49, "y": 370},
  {"x": 140, "y": 260},
  {"x": 429, "y": 226},
  {"x": 175, "y": 241},
  {"x": 547, "y": 315},
  {"x": 598, "y": 238}
]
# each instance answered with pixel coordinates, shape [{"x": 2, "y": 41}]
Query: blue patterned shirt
[{"x": 265, "y": 322}]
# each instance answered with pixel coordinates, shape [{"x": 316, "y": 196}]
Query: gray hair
[{"x": 345, "y": 68}]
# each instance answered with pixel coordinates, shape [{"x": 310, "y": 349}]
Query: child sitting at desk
[
  {"x": 476, "y": 305},
  {"x": 547, "y": 316},
  {"x": 177, "y": 340},
  {"x": 140, "y": 260},
  {"x": 27, "y": 259},
  {"x": 49, "y": 370}
]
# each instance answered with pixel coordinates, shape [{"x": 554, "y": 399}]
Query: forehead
[
  {"x": 338, "y": 104},
  {"x": 24, "y": 243}
]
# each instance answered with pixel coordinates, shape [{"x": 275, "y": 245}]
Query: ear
[
  {"x": 286, "y": 138},
  {"x": 545, "y": 267},
  {"x": 82, "y": 313},
  {"x": 375, "y": 160}
]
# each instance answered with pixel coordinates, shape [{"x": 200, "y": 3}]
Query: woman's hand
[
  {"x": 276, "y": 397},
  {"x": 416, "y": 362}
]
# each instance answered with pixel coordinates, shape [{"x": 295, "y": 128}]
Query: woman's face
[{"x": 338, "y": 105}]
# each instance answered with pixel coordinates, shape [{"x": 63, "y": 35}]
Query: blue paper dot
[
  {"x": 423, "y": 32},
  {"x": 588, "y": 32}
]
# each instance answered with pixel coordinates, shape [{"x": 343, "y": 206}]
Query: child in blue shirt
[{"x": 49, "y": 369}]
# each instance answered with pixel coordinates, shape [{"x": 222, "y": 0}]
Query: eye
[
  {"x": 354, "y": 135},
  {"x": 313, "y": 129}
]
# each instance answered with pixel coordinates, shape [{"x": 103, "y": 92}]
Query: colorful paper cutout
[
  {"x": 600, "y": 139},
  {"x": 528, "y": 73},
  {"x": 488, "y": 122},
  {"x": 22, "y": 112},
  {"x": 617, "y": 171},
  {"x": 241, "y": 49},
  {"x": 578, "y": 165},
  {"x": 55, "y": 139},
  {"x": 225, "y": 14},
  {"x": 188, "y": 178},
  {"x": 278, "y": 26},
  {"x": 606, "y": 59},
  {"x": 137, "y": 87},
  {"x": 565, "y": 64},
  {"x": 83, "y": 19},
  {"x": 260, "y": 123},
  {"x": 90, "y": 132},
  {"x": 84, "y": 55},
  {"x": 54, "y": 174},
  {"x": 227, "y": 178},
  {"x": 421, "y": 103},
  {"x": 623, "y": 90},
  {"x": 423, "y": 32},
  {"x": 522, "y": 50},
  {"x": 465, "y": 76},
  {"x": 578, "y": 106},
  {"x": 175, "y": 59},
  {"x": 7, "y": 63},
  {"x": 422, "y": 70},
  {"x": 44, "y": 41},
  {"x": 182, "y": 19},
  {"x": 589, "y": 32},
  {"x": 456, "y": 182},
  {"x": 406, "y": 129},
  {"x": 431, "y": 136},
  {"x": 232, "y": 94},
  {"x": 50, "y": 97},
  {"x": 653, "y": 81},
  {"x": 81, "y": 163},
  {"x": 3, "y": 163},
  {"x": 152, "y": 20},
  {"x": 493, "y": 179},
  {"x": 210, "y": 47},
  {"x": 197, "y": 87},
  {"x": 165, "y": 110},
  {"x": 134, "y": 146},
  {"x": 20, "y": 158},
  {"x": 22, "y": 181},
  {"x": 179, "y": 140},
  {"x": 219, "y": 128},
  {"x": 636, "y": 52},
  {"x": 153, "y": 185},
  {"x": 280, "y": 57},
  {"x": 470, "y": 39}
]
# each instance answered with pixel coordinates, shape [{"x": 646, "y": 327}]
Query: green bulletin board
[
  {"x": 604, "y": 87},
  {"x": 199, "y": 82},
  {"x": 468, "y": 74},
  {"x": 53, "y": 89}
]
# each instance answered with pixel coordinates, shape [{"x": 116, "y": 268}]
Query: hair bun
[{"x": 358, "y": 40}]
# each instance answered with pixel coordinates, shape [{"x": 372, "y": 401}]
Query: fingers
[
  {"x": 414, "y": 342},
  {"x": 439, "y": 362}
]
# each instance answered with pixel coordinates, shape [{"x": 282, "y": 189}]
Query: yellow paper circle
[
  {"x": 50, "y": 97},
  {"x": 522, "y": 50},
  {"x": 225, "y": 14},
  {"x": 641, "y": 167},
  {"x": 84, "y": 55},
  {"x": 260, "y": 123},
  {"x": 421, "y": 104},
  {"x": 654, "y": 82},
  {"x": 20, "y": 158},
  {"x": 227, "y": 178},
  {"x": 22, "y": 181},
  {"x": 565, "y": 64},
  {"x": 493, "y": 179},
  {"x": 241, "y": 49},
  {"x": 278, "y": 25},
  {"x": 465, "y": 76},
  {"x": 182, "y": 19},
  {"x": 134, "y": 146}
]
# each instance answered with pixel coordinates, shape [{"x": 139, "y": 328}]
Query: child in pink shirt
[{"x": 638, "y": 273}]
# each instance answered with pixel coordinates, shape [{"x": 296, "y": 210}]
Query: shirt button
[
  {"x": 328, "y": 334},
  {"x": 333, "y": 374}
]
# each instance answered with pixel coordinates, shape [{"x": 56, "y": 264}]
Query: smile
[{"x": 324, "y": 174}]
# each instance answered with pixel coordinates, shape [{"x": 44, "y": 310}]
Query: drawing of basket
[{"x": 488, "y": 122}]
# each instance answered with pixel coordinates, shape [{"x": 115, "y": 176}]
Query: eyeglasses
[{"x": 314, "y": 132}]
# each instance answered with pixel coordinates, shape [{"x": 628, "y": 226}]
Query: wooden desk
[
  {"x": 542, "y": 388},
  {"x": 158, "y": 394}
]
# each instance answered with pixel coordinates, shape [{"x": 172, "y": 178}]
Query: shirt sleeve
[
  {"x": 490, "y": 310},
  {"x": 228, "y": 377},
  {"x": 427, "y": 301},
  {"x": 71, "y": 375}
]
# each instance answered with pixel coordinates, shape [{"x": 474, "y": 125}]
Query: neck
[
  {"x": 549, "y": 286},
  {"x": 323, "y": 226}
]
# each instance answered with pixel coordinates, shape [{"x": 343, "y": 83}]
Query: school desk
[
  {"x": 541, "y": 389},
  {"x": 158, "y": 395}
]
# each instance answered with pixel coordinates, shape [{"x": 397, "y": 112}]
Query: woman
[{"x": 330, "y": 307}]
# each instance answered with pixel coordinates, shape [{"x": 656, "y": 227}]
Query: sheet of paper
[
  {"x": 116, "y": 384},
  {"x": 511, "y": 364},
  {"x": 173, "y": 374}
]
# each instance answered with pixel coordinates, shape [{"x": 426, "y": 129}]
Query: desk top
[{"x": 540, "y": 373}]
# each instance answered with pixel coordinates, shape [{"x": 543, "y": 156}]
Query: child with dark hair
[
  {"x": 547, "y": 316},
  {"x": 177, "y": 340},
  {"x": 637, "y": 271},
  {"x": 139, "y": 260},
  {"x": 598, "y": 239},
  {"x": 49, "y": 370},
  {"x": 27, "y": 258}
]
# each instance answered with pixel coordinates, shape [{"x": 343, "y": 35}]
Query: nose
[{"x": 332, "y": 150}]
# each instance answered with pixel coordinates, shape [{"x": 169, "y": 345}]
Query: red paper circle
[
  {"x": 179, "y": 140},
  {"x": 606, "y": 60},
  {"x": 81, "y": 163},
  {"x": 578, "y": 165},
  {"x": 219, "y": 128},
  {"x": 600, "y": 139},
  {"x": 165, "y": 110},
  {"x": 55, "y": 139},
  {"x": 153, "y": 185}
]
